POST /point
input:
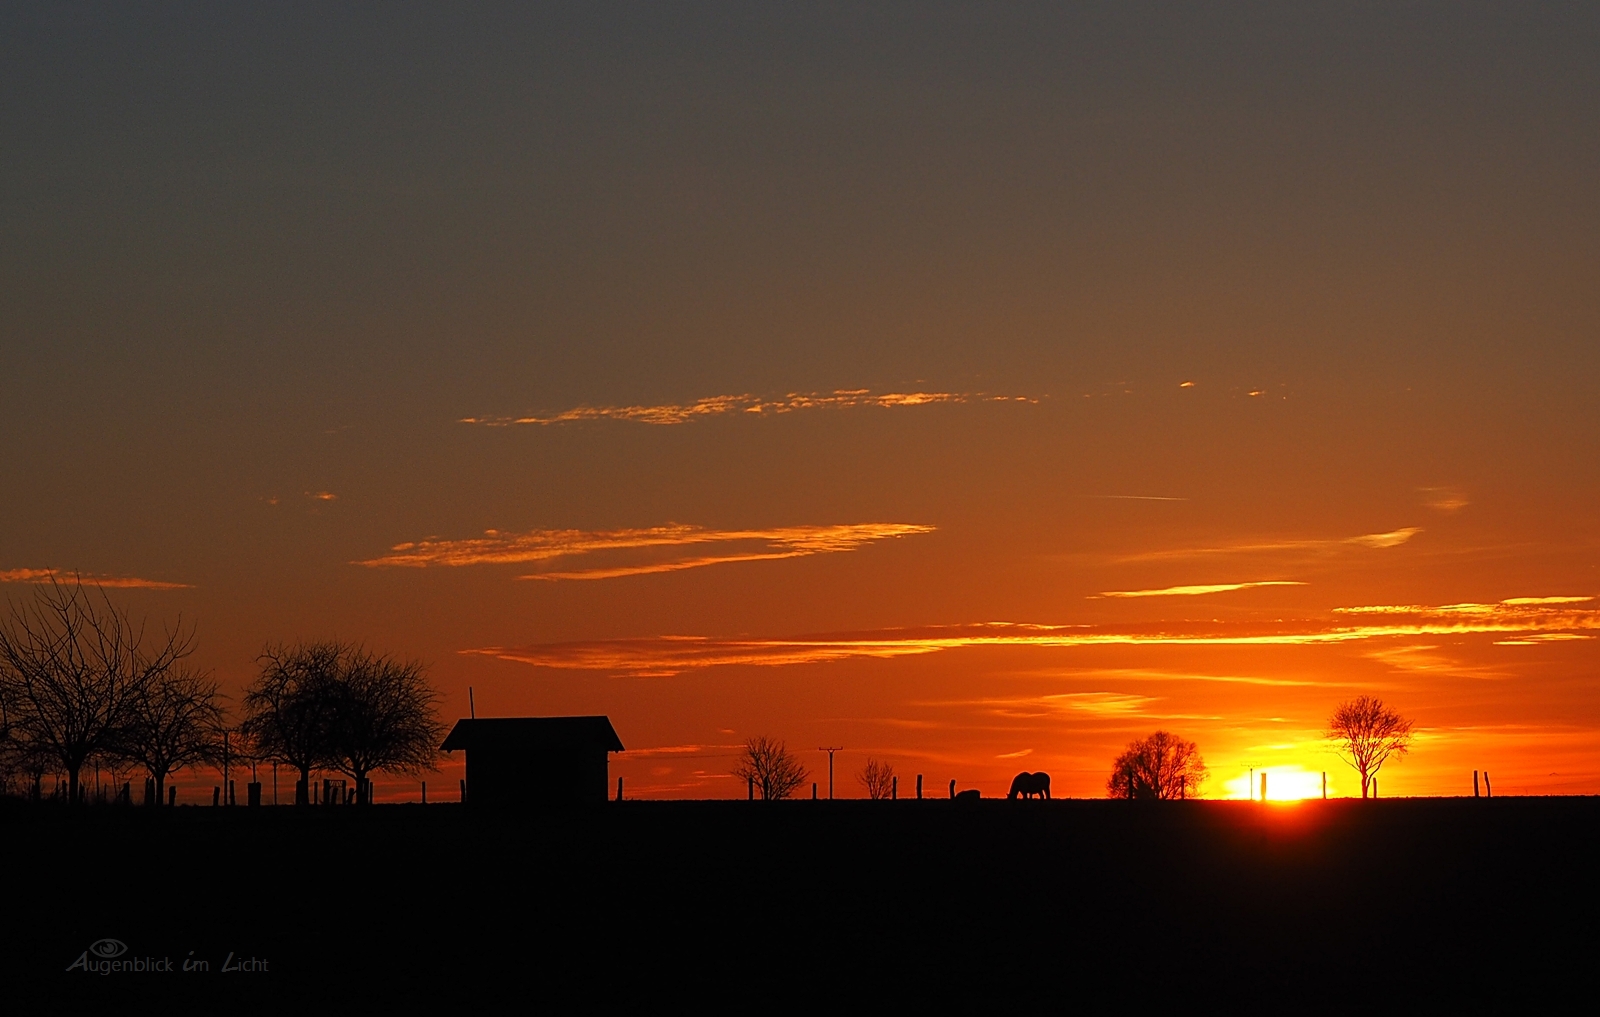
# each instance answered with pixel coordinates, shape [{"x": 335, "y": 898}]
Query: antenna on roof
[{"x": 472, "y": 707}]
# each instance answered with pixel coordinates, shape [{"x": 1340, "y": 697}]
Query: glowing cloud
[
  {"x": 1196, "y": 591},
  {"x": 499, "y": 548},
  {"x": 89, "y": 579},
  {"x": 668, "y": 655},
  {"x": 1392, "y": 538},
  {"x": 1104, "y": 704},
  {"x": 716, "y": 406},
  {"x": 1448, "y": 500}
]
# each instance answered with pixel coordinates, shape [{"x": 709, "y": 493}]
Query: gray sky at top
[{"x": 228, "y": 229}]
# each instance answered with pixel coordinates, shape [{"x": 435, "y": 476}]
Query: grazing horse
[{"x": 1030, "y": 785}]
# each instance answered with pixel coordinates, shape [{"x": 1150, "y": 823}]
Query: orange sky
[{"x": 977, "y": 390}]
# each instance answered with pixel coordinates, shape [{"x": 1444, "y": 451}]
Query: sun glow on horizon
[{"x": 1284, "y": 784}]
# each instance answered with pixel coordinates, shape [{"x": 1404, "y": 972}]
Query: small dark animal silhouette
[
  {"x": 1030, "y": 785},
  {"x": 971, "y": 794}
]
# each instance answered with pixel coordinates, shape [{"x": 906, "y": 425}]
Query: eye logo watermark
[{"x": 105, "y": 957}]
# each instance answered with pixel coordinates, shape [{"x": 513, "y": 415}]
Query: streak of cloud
[
  {"x": 669, "y": 655},
  {"x": 716, "y": 406},
  {"x": 1448, "y": 500},
  {"x": 1391, "y": 538},
  {"x": 499, "y": 548},
  {"x": 681, "y": 751},
  {"x": 1196, "y": 591},
  {"x": 89, "y": 579}
]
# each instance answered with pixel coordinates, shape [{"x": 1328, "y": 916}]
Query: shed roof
[{"x": 533, "y": 733}]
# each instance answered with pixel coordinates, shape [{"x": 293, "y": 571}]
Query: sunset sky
[{"x": 976, "y": 387}]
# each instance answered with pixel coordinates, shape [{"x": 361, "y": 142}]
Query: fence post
[
  {"x": 216, "y": 796},
  {"x": 619, "y": 789},
  {"x": 813, "y": 790},
  {"x": 1487, "y": 787},
  {"x": 463, "y": 789},
  {"x": 1474, "y": 783},
  {"x": 424, "y": 792},
  {"x": 1324, "y": 785},
  {"x": 952, "y": 787},
  {"x": 894, "y": 788},
  {"x": 1263, "y": 785},
  {"x": 919, "y": 787}
]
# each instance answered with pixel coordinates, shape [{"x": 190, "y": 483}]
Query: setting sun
[{"x": 1283, "y": 784}]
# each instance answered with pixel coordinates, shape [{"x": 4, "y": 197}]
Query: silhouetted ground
[{"x": 1321, "y": 905}]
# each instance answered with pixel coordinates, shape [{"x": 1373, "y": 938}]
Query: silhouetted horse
[{"x": 1029, "y": 785}]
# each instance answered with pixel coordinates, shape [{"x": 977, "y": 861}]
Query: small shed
[{"x": 535, "y": 760}]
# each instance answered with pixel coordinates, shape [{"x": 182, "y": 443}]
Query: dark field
[{"x": 1340, "y": 905}]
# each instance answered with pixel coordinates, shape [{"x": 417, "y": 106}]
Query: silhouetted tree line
[
  {"x": 336, "y": 706},
  {"x": 83, "y": 687}
]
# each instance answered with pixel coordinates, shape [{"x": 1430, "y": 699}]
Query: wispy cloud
[
  {"x": 89, "y": 578},
  {"x": 681, "y": 751},
  {"x": 668, "y": 655},
  {"x": 1195, "y": 591},
  {"x": 1313, "y": 546},
  {"x": 496, "y": 547},
  {"x": 1444, "y": 499},
  {"x": 1117, "y": 704},
  {"x": 716, "y": 406}
]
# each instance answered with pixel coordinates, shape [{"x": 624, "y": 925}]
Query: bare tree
[
  {"x": 1158, "y": 767},
  {"x": 768, "y": 764},
  {"x": 382, "y": 717},
  {"x": 1368, "y": 733},
  {"x": 287, "y": 713},
  {"x": 877, "y": 778},
  {"x": 175, "y": 722},
  {"x": 74, "y": 666}
]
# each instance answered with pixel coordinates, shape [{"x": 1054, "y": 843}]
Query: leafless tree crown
[
  {"x": 1158, "y": 767},
  {"x": 338, "y": 706},
  {"x": 74, "y": 669},
  {"x": 1367, "y": 734},
  {"x": 877, "y": 778},
  {"x": 775, "y": 773},
  {"x": 176, "y": 721}
]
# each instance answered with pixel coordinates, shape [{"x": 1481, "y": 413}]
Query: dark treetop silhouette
[
  {"x": 769, "y": 768},
  {"x": 1368, "y": 733},
  {"x": 877, "y": 778},
  {"x": 339, "y": 706},
  {"x": 1158, "y": 767},
  {"x": 74, "y": 669},
  {"x": 175, "y": 722}
]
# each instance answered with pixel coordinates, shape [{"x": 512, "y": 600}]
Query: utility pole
[{"x": 830, "y": 750}]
